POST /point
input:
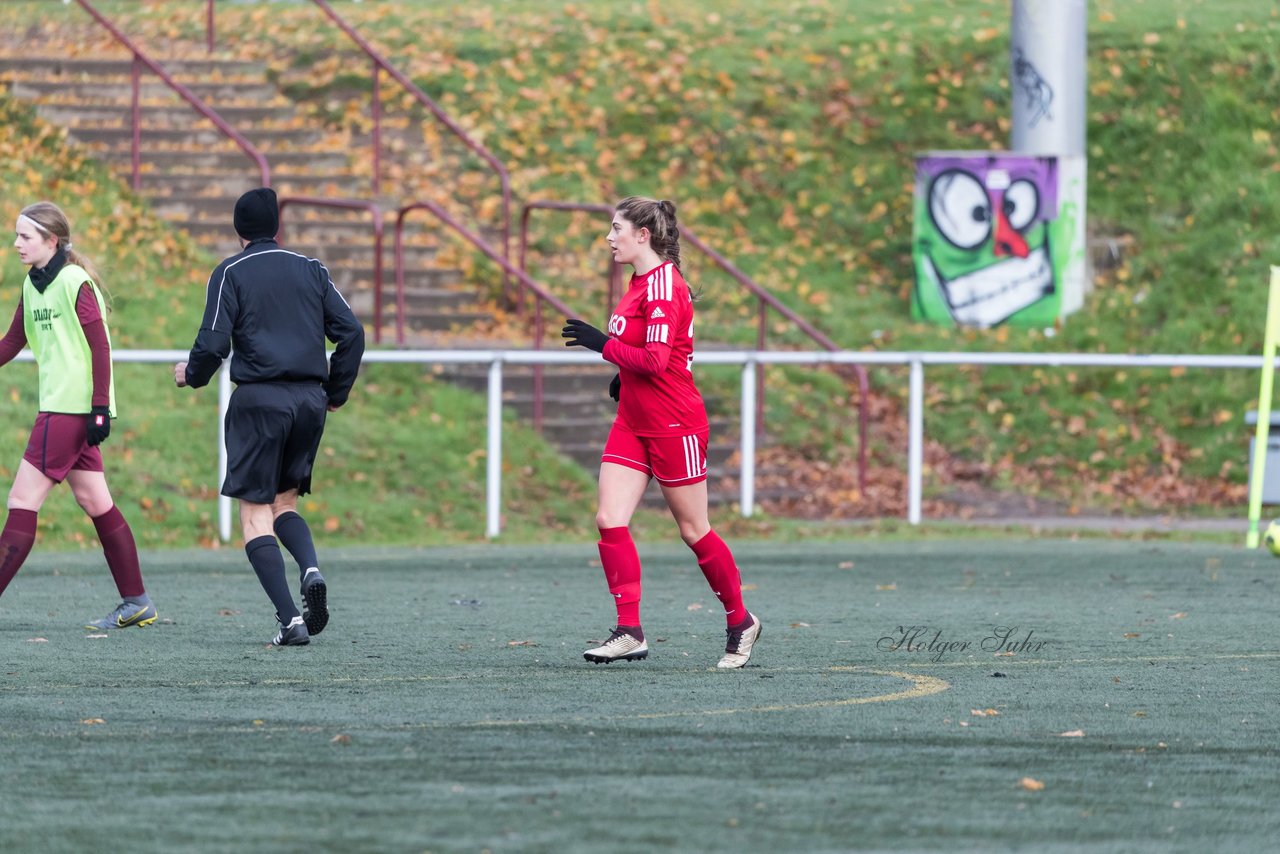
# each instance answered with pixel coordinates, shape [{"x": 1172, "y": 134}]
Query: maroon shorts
[
  {"x": 58, "y": 445},
  {"x": 671, "y": 460}
]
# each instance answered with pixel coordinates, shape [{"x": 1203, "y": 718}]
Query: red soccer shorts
[
  {"x": 672, "y": 460},
  {"x": 57, "y": 446}
]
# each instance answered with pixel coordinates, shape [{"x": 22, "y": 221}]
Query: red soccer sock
[
  {"x": 721, "y": 571},
  {"x": 622, "y": 572},
  {"x": 16, "y": 540},
  {"x": 121, "y": 552}
]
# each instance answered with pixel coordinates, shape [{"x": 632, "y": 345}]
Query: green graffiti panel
[{"x": 995, "y": 240}]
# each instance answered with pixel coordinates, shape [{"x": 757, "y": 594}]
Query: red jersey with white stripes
[{"x": 651, "y": 342}]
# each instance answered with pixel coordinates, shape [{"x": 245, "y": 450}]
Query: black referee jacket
[{"x": 275, "y": 308}]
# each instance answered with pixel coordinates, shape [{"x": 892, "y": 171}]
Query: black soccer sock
[
  {"x": 268, "y": 563},
  {"x": 295, "y": 535}
]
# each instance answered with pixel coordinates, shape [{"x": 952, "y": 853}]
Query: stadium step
[{"x": 192, "y": 173}]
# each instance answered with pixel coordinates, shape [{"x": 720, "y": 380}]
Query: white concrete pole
[{"x": 1048, "y": 75}]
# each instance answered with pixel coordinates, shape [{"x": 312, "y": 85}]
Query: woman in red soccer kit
[
  {"x": 62, "y": 316},
  {"x": 660, "y": 431}
]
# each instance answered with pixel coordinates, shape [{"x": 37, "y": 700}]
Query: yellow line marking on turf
[
  {"x": 924, "y": 686},
  {"x": 389, "y": 679}
]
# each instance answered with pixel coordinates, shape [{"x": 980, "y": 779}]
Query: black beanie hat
[{"x": 257, "y": 214}]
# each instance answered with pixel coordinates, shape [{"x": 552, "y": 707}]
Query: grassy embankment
[{"x": 791, "y": 148}]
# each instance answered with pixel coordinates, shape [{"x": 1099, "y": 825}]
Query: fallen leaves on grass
[
  {"x": 92, "y": 721},
  {"x": 37, "y": 640},
  {"x": 521, "y": 643},
  {"x": 1073, "y": 733},
  {"x": 983, "y": 713},
  {"x": 1031, "y": 784},
  {"x": 340, "y": 738}
]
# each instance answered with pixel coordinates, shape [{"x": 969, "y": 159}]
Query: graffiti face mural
[{"x": 984, "y": 238}]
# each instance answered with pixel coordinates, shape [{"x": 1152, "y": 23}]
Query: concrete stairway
[{"x": 192, "y": 173}]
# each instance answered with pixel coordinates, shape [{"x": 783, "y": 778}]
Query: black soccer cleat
[
  {"x": 315, "y": 601},
  {"x": 293, "y": 634}
]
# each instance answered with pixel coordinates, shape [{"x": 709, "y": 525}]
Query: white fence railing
[{"x": 749, "y": 360}]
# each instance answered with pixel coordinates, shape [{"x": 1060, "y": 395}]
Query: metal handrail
[
  {"x": 765, "y": 299},
  {"x": 614, "y": 286},
  {"x": 191, "y": 98},
  {"x": 540, "y": 290},
  {"x": 519, "y": 274},
  {"x": 615, "y": 269},
  {"x": 376, "y": 213},
  {"x": 748, "y": 360},
  {"x": 381, "y": 63},
  {"x": 804, "y": 326}
]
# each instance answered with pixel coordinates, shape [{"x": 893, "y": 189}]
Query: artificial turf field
[{"x": 447, "y": 706}]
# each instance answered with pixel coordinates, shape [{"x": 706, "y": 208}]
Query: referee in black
[{"x": 275, "y": 308}]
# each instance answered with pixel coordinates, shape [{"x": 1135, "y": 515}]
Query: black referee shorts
[{"x": 273, "y": 434}]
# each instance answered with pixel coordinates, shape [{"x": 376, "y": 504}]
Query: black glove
[
  {"x": 99, "y": 425},
  {"x": 615, "y": 388},
  {"x": 583, "y": 334}
]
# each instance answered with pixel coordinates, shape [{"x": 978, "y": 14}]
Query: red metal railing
[
  {"x": 765, "y": 299},
  {"x": 375, "y": 214},
  {"x": 539, "y": 291},
  {"x": 615, "y": 269},
  {"x": 381, "y": 64},
  {"x": 140, "y": 58},
  {"x": 208, "y": 26}
]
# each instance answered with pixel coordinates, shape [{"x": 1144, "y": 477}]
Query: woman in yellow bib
[{"x": 62, "y": 317}]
